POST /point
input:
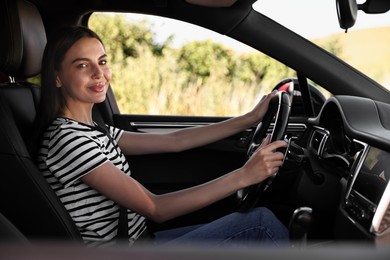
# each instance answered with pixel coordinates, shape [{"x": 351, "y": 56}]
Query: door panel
[
  {"x": 174, "y": 171},
  {"x": 162, "y": 173}
]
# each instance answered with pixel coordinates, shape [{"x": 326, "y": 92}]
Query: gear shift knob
[{"x": 299, "y": 225}]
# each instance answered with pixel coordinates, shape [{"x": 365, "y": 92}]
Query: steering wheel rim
[{"x": 279, "y": 108}]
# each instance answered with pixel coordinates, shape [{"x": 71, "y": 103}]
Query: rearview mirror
[
  {"x": 347, "y": 13},
  {"x": 347, "y": 10}
]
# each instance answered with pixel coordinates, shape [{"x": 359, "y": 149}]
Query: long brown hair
[{"x": 52, "y": 102}]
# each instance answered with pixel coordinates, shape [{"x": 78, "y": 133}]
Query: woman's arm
[
  {"x": 127, "y": 192},
  {"x": 136, "y": 143}
]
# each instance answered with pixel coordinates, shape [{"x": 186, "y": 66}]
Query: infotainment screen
[{"x": 372, "y": 178}]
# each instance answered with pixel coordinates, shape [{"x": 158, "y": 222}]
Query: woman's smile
[{"x": 100, "y": 87}]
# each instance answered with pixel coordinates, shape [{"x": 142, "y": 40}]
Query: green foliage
[
  {"x": 122, "y": 38},
  {"x": 202, "y": 58},
  {"x": 199, "y": 78}
]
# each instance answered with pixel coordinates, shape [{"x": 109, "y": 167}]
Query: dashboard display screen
[{"x": 373, "y": 175}]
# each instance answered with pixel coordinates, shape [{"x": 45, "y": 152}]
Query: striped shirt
[{"x": 69, "y": 151}]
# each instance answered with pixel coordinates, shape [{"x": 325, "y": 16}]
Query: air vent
[{"x": 318, "y": 141}]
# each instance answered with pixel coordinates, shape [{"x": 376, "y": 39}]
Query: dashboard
[{"x": 353, "y": 134}]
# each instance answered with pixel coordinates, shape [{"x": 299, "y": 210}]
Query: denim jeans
[{"x": 256, "y": 227}]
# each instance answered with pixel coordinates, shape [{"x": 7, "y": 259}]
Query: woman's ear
[{"x": 58, "y": 81}]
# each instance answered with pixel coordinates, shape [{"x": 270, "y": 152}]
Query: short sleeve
[
  {"x": 73, "y": 154},
  {"x": 116, "y": 133}
]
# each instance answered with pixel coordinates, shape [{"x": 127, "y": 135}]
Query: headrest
[{"x": 23, "y": 38}]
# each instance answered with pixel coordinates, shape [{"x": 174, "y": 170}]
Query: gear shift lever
[{"x": 299, "y": 226}]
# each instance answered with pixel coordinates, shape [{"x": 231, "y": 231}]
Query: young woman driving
[{"x": 86, "y": 165}]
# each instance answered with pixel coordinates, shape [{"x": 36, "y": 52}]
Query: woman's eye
[
  {"x": 82, "y": 65},
  {"x": 103, "y": 62}
]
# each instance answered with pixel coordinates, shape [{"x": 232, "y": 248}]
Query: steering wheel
[{"x": 278, "y": 111}]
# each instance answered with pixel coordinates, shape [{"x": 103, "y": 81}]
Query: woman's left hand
[{"x": 261, "y": 108}]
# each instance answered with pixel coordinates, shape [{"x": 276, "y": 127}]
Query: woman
[{"x": 86, "y": 167}]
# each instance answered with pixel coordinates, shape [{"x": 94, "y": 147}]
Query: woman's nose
[{"x": 97, "y": 71}]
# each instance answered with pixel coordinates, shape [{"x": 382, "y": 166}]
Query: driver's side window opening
[{"x": 163, "y": 73}]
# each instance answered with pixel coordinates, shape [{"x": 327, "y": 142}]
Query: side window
[{"x": 166, "y": 67}]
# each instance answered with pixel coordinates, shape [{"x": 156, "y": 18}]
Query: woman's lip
[{"x": 97, "y": 87}]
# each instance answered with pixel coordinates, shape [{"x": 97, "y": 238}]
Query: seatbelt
[
  {"x": 123, "y": 225},
  {"x": 123, "y": 219}
]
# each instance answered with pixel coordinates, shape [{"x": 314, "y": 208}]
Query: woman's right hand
[{"x": 264, "y": 162}]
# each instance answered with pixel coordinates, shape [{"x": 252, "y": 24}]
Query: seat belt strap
[{"x": 123, "y": 218}]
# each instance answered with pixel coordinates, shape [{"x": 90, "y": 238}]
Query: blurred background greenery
[{"x": 197, "y": 78}]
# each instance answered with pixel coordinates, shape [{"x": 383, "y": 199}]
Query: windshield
[{"x": 366, "y": 46}]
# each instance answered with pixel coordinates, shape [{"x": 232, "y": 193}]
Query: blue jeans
[{"x": 256, "y": 227}]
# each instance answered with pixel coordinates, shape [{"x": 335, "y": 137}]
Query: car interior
[{"x": 327, "y": 193}]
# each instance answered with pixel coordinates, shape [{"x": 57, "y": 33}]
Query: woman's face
[{"x": 84, "y": 75}]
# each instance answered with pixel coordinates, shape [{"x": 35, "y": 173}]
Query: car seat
[
  {"x": 9, "y": 233},
  {"x": 26, "y": 199}
]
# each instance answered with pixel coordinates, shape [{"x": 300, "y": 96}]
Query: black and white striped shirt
[{"x": 69, "y": 151}]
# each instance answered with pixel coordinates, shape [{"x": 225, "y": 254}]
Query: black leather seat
[
  {"x": 9, "y": 233},
  {"x": 26, "y": 199}
]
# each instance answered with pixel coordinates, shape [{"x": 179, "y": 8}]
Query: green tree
[
  {"x": 251, "y": 67},
  {"x": 202, "y": 58},
  {"x": 123, "y": 39}
]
